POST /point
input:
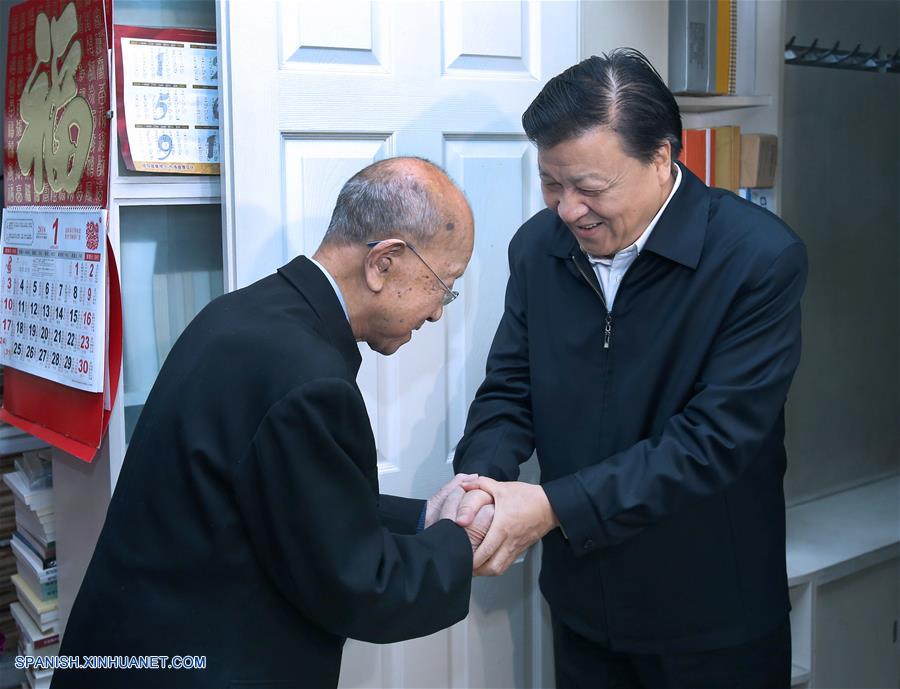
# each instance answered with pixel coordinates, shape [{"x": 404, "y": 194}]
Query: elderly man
[
  {"x": 649, "y": 338},
  {"x": 246, "y": 525}
]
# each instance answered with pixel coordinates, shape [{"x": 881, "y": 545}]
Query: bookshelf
[{"x": 705, "y": 104}]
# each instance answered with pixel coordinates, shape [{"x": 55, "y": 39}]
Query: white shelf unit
[
  {"x": 843, "y": 563},
  {"x": 705, "y": 104},
  {"x": 82, "y": 490}
]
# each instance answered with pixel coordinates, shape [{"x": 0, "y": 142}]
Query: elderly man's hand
[
  {"x": 435, "y": 505},
  {"x": 480, "y": 526},
  {"x": 522, "y": 516}
]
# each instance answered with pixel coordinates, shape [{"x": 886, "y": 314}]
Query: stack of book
[
  {"x": 33, "y": 544},
  {"x": 8, "y": 633},
  {"x": 723, "y": 157}
]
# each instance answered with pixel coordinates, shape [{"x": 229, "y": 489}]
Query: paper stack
[
  {"x": 33, "y": 496},
  {"x": 8, "y": 633},
  {"x": 33, "y": 545}
]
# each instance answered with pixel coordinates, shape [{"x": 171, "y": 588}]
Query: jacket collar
[
  {"x": 679, "y": 234},
  {"x": 306, "y": 277}
]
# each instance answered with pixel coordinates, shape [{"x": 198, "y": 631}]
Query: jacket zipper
[{"x": 607, "y": 330}]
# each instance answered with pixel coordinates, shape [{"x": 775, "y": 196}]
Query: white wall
[{"x": 641, "y": 24}]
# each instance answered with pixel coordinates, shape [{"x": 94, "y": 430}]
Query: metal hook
[
  {"x": 855, "y": 59},
  {"x": 808, "y": 51},
  {"x": 849, "y": 56},
  {"x": 893, "y": 62},
  {"x": 789, "y": 49},
  {"x": 828, "y": 56},
  {"x": 872, "y": 60}
]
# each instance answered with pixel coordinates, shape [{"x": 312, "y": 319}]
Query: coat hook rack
[{"x": 835, "y": 58}]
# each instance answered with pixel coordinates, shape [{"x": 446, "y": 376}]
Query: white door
[{"x": 315, "y": 91}]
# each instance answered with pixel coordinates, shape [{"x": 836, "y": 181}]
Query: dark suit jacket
[
  {"x": 246, "y": 524},
  {"x": 661, "y": 454}
]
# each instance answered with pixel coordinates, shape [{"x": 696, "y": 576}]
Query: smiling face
[{"x": 605, "y": 197}]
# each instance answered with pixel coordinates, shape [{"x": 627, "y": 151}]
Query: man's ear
[
  {"x": 380, "y": 261},
  {"x": 662, "y": 162}
]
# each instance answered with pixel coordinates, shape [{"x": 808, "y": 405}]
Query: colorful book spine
[{"x": 698, "y": 153}]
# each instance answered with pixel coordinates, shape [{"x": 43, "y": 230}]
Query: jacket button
[{"x": 588, "y": 544}]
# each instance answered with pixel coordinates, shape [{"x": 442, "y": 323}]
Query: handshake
[{"x": 501, "y": 518}]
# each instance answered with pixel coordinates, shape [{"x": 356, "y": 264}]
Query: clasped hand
[{"x": 501, "y": 519}]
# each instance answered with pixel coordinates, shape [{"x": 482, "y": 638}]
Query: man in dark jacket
[
  {"x": 649, "y": 338},
  {"x": 246, "y": 526}
]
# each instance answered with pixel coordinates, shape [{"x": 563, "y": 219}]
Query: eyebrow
[{"x": 578, "y": 179}]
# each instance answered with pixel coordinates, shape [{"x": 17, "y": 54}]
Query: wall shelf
[
  {"x": 719, "y": 103},
  {"x": 837, "y": 535}
]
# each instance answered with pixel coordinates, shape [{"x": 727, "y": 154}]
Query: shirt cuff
[{"x": 420, "y": 527}]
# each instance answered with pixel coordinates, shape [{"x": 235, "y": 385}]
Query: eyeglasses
[{"x": 449, "y": 294}]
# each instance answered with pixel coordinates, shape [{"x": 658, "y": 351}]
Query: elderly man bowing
[{"x": 246, "y": 525}]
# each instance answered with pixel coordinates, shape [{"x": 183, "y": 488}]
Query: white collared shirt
[
  {"x": 334, "y": 286},
  {"x": 610, "y": 271}
]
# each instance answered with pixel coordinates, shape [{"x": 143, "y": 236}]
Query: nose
[
  {"x": 436, "y": 314},
  {"x": 570, "y": 208}
]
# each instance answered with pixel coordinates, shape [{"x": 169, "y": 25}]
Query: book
[
  {"x": 37, "y": 500},
  {"x": 724, "y": 42},
  {"x": 764, "y": 198},
  {"x": 46, "y": 544},
  {"x": 759, "y": 158},
  {"x": 728, "y": 157},
  {"x": 38, "y": 679},
  {"x": 44, "y": 532},
  {"x": 25, "y": 557},
  {"x": 32, "y": 641},
  {"x": 42, "y": 581},
  {"x": 692, "y": 46},
  {"x": 698, "y": 153},
  {"x": 745, "y": 48},
  {"x": 44, "y": 613},
  {"x": 47, "y": 556}
]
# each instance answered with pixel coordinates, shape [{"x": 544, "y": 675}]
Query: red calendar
[
  {"x": 60, "y": 306},
  {"x": 53, "y": 294}
]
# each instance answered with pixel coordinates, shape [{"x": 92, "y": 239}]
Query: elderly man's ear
[{"x": 380, "y": 260}]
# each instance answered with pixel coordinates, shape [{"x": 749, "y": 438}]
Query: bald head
[{"x": 407, "y": 198}]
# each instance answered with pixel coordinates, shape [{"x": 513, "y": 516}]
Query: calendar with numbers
[
  {"x": 54, "y": 294},
  {"x": 167, "y": 92}
]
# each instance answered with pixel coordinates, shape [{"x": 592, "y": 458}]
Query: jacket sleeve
[
  {"x": 737, "y": 400},
  {"x": 312, "y": 518},
  {"x": 499, "y": 434},
  {"x": 400, "y": 515}
]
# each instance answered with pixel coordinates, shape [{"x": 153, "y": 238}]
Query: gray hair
[{"x": 386, "y": 201}]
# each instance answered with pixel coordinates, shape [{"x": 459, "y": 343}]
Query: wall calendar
[{"x": 54, "y": 294}]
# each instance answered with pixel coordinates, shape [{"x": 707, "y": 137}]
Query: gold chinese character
[{"x": 52, "y": 108}]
